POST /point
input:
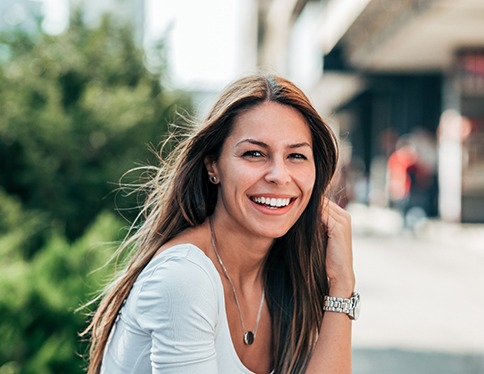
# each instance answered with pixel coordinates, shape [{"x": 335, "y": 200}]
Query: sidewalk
[{"x": 423, "y": 296}]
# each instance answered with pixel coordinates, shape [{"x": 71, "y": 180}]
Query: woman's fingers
[{"x": 339, "y": 255}]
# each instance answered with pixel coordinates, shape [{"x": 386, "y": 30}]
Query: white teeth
[{"x": 273, "y": 202}]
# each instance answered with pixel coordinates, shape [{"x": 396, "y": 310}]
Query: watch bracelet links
[{"x": 337, "y": 304}]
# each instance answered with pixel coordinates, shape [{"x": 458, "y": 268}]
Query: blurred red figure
[
  {"x": 399, "y": 164},
  {"x": 403, "y": 171},
  {"x": 411, "y": 178}
]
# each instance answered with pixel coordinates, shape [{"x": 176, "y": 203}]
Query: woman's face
[{"x": 266, "y": 171}]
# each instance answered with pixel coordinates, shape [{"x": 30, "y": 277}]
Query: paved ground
[{"x": 423, "y": 296}]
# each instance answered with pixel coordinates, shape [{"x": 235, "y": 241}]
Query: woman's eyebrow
[
  {"x": 264, "y": 145},
  {"x": 299, "y": 145},
  {"x": 253, "y": 141}
]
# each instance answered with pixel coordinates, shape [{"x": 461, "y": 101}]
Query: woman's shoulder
[
  {"x": 180, "y": 260},
  {"x": 175, "y": 279},
  {"x": 181, "y": 250}
]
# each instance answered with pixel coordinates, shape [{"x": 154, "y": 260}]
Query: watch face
[
  {"x": 357, "y": 306},
  {"x": 357, "y": 310}
]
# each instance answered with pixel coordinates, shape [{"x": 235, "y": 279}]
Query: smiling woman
[
  {"x": 239, "y": 254},
  {"x": 267, "y": 158}
]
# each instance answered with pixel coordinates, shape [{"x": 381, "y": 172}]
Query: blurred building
[
  {"x": 209, "y": 43},
  {"x": 388, "y": 74}
]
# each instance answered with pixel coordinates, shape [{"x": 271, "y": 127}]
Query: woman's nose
[{"x": 278, "y": 173}]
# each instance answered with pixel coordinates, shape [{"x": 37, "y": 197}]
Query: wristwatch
[{"x": 350, "y": 306}]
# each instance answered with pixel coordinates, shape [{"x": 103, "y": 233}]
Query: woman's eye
[
  {"x": 298, "y": 156},
  {"x": 254, "y": 154}
]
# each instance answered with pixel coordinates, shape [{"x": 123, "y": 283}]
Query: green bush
[
  {"x": 77, "y": 111},
  {"x": 39, "y": 324}
]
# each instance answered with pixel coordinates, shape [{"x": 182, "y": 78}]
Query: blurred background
[{"x": 89, "y": 87}]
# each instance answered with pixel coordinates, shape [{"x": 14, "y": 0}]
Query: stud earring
[{"x": 213, "y": 179}]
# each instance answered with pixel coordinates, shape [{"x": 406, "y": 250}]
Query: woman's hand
[
  {"x": 339, "y": 253},
  {"x": 332, "y": 353}
]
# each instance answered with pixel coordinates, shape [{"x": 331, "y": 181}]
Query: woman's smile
[{"x": 272, "y": 205}]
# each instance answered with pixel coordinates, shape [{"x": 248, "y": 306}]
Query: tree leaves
[{"x": 77, "y": 111}]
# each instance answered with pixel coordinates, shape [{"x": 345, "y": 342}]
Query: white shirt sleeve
[{"x": 178, "y": 305}]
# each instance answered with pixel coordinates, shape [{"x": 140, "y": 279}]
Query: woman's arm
[{"x": 332, "y": 354}]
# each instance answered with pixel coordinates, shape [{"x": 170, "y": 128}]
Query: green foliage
[
  {"x": 18, "y": 228},
  {"x": 39, "y": 324},
  {"x": 76, "y": 112}
]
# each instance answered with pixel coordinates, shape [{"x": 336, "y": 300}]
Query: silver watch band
[{"x": 341, "y": 305}]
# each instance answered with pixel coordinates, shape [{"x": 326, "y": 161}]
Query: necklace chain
[{"x": 249, "y": 336}]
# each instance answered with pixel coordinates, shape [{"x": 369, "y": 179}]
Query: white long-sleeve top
[{"x": 174, "y": 320}]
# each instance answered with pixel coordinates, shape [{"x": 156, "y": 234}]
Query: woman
[{"x": 238, "y": 249}]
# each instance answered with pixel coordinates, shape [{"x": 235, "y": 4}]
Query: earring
[{"x": 213, "y": 179}]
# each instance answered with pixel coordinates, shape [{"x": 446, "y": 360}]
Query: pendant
[{"x": 249, "y": 338}]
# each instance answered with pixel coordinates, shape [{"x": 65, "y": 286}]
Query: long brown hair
[{"x": 180, "y": 196}]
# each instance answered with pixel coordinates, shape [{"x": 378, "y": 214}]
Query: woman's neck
[{"x": 243, "y": 256}]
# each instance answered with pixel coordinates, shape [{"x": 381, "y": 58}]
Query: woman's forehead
[{"x": 271, "y": 121}]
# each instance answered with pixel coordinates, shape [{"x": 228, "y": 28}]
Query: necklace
[{"x": 249, "y": 336}]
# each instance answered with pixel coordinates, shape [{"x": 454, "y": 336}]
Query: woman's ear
[{"x": 211, "y": 166}]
